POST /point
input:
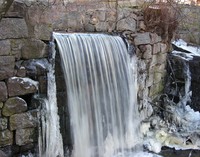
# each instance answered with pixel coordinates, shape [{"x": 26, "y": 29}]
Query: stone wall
[{"x": 25, "y": 32}]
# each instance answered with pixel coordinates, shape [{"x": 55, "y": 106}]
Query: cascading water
[
  {"x": 50, "y": 139},
  {"x": 101, "y": 92}
]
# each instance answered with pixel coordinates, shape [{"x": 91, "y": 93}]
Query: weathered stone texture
[
  {"x": 21, "y": 86},
  {"x": 6, "y": 137},
  {"x": 7, "y": 64},
  {"x": 25, "y": 136},
  {"x": 3, "y": 91},
  {"x": 23, "y": 120},
  {"x": 5, "y": 47},
  {"x": 13, "y": 28},
  {"x": 34, "y": 49},
  {"x": 14, "y": 105},
  {"x": 3, "y": 123},
  {"x": 142, "y": 38},
  {"x": 126, "y": 24}
]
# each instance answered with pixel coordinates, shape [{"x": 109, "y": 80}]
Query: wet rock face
[{"x": 177, "y": 76}]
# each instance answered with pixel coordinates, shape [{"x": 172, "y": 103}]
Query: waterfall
[
  {"x": 50, "y": 139},
  {"x": 101, "y": 88}
]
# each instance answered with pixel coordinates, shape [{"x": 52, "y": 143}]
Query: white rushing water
[
  {"x": 102, "y": 94},
  {"x": 50, "y": 139}
]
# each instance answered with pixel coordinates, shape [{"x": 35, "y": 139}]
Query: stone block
[
  {"x": 101, "y": 27},
  {"x": 142, "y": 38},
  {"x": 43, "y": 31},
  {"x": 3, "y": 124},
  {"x": 155, "y": 38},
  {"x": 101, "y": 15},
  {"x": 6, "y": 138},
  {"x": 156, "y": 48},
  {"x": 7, "y": 64},
  {"x": 147, "y": 54},
  {"x": 163, "y": 48},
  {"x": 13, "y": 28},
  {"x": 33, "y": 49},
  {"x": 5, "y": 47},
  {"x": 16, "y": 47},
  {"x": 14, "y": 105},
  {"x": 23, "y": 120},
  {"x": 21, "y": 86},
  {"x": 25, "y": 136},
  {"x": 3, "y": 91},
  {"x": 89, "y": 27},
  {"x": 126, "y": 24}
]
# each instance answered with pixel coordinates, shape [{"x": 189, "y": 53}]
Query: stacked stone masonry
[{"x": 25, "y": 33}]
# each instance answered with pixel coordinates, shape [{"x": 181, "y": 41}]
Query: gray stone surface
[
  {"x": 14, "y": 105},
  {"x": 147, "y": 54},
  {"x": 126, "y": 24},
  {"x": 156, "y": 48},
  {"x": 21, "y": 86},
  {"x": 13, "y": 28},
  {"x": 5, "y": 47},
  {"x": 142, "y": 38},
  {"x": 7, "y": 64},
  {"x": 155, "y": 38},
  {"x": 33, "y": 49},
  {"x": 6, "y": 138},
  {"x": 3, "y": 123},
  {"x": 23, "y": 120},
  {"x": 25, "y": 136},
  {"x": 3, "y": 91}
]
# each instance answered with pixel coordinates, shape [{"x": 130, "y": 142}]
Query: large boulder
[
  {"x": 7, "y": 64},
  {"x": 23, "y": 120},
  {"x": 14, "y": 105},
  {"x": 21, "y": 86}
]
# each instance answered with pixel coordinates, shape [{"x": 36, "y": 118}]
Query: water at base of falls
[{"x": 102, "y": 94}]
